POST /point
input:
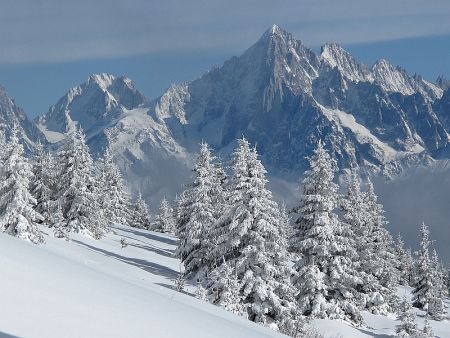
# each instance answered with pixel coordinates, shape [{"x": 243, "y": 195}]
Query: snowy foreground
[{"x": 90, "y": 288}]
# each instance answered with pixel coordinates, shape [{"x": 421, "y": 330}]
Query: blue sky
[{"x": 49, "y": 46}]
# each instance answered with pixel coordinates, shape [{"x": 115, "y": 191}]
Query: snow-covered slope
[
  {"x": 96, "y": 288},
  {"x": 88, "y": 288}
]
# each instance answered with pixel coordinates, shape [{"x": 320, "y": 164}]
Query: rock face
[
  {"x": 282, "y": 96},
  {"x": 11, "y": 115}
]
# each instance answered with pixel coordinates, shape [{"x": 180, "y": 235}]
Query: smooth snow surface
[{"x": 89, "y": 288}]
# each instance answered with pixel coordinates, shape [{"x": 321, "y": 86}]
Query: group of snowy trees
[
  {"x": 65, "y": 190},
  {"x": 336, "y": 260},
  {"x": 408, "y": 327},
  {"x": 233, "y": 238}
]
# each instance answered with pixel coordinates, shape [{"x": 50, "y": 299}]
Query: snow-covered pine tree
[
  {"x": 165, "y": 221},
  {"x": 411, "y": 264},
  {"x": 77, "y": 190},
  {"x": 116, "y": 201},
  {"x": 286, "y": 223},
  {"x": 344, "y": 276},
  {"x": 223, "y": 289},
  {"x": 200, "y": 291},
  {"x": 423, "y": 286},
  {"x": 219, "y": 192},
  {"x": 313, "y": 237},
  {"x": 436, "y": 307},
  {"x": 17, "y": 215},
  {"x": 427, "y": 331},
  {"x": 262, "y": 266},
  {"x": 325, "y": 274},
  {"x": 43, "y": 182},
  {"x": 141, "y": 214},
  {"x": 181, "y": 214},
  {"x": 57, "y": 222},
  {"x": 251, "y": 237},
  {"x": 407, "y": 327},
  {"x": 376, "y": 255},
  {"x": 180, "y": 281},
  {"x": 195, "y": 245},
  {"x": 403, "y": 261}
]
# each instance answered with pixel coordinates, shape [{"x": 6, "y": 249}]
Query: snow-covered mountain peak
[
  {"x": 103, "y": 80},
  {"x": 336, "y": 56},
  {"x": 275, "y": 29},
  {"x": 12, "y": 115},
  {"x": 391, "y": 78},
  {"x": 275, "y": 32},
  {"x": 442, "y": 82},
  {"x": 395, "y": 79},
  {"x": 95, "y": 103},
  {"x": 286, "y": 59}
]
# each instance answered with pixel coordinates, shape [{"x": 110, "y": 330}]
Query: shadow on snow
[
  {"x": 148, "y": 235},
  {"x": 154, "y": 268}
]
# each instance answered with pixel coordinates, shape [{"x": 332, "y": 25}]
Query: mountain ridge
[{"x": 283, "y": 97}]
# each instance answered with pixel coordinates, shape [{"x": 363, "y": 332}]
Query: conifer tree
[
  {"x": 223, "y": 289},
  {"x": 43, "y": 182},
  {"x": 17, "y": 215},
  {"x": 180, "y": 281},
  {"x": 403, "y": 262},
  {"x": 77, "y": 190},
  {"x": 287, "y": 228},
  {"x": 194, "y": 245},
  {"x": 436, "y": 307},
  {"x": 165, "y": 221},
  {"x": 325, "y": 275},
  {"x": 407, "y": 327},
  {"x": 57, "y": 222},
  {"x": 376, "y": 256},
  {"x": 200, "y": 291},
  {"x": 181, "y": 214},
  {"x": 116, "y": 201},
  {"x": 141, "y": 213},
  {"x": 423, "y": 287},
  {"x": 250, "y": 237},
  {"x": 427, "y": 331}
]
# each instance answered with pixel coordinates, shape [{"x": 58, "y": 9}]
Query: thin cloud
[{"x": 55, "y": 30}]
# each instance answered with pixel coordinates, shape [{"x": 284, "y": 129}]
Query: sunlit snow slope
[
  {"x": 95, "y": 288},
  {"x": 89, "y": 288}
]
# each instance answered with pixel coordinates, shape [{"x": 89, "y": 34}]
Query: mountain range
[{"x": 279, "y": 93}]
